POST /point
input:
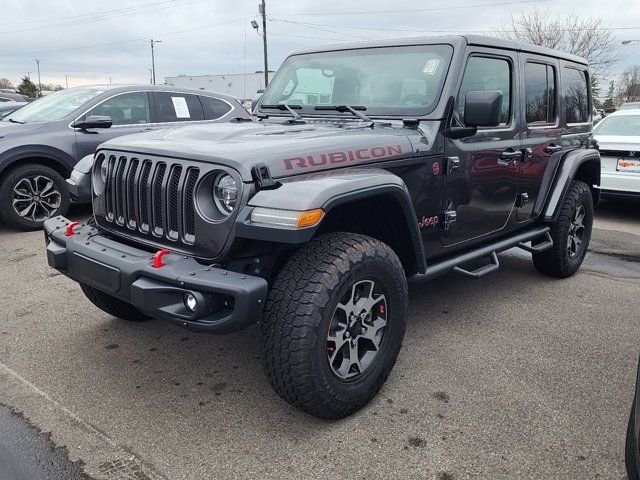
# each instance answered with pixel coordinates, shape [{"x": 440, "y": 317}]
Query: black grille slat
[
  {"x": 189, "y": 199},
  {"x": 152, "y": 197},
  {"x": 131, "y": 216}
]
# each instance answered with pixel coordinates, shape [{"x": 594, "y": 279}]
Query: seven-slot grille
[{"x": 152, "y": 196}]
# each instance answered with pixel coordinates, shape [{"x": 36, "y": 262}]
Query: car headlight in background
[
  {"x": 76, "y": 176},
  {"x": 225, "y": 193},
  {"x": 103, "y": 170}
]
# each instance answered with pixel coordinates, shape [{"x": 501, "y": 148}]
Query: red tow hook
[
  {"x": 157, "y": 258},
  {"x": 70, "y": 228}
]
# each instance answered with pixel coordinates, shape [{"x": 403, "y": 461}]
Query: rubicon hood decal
[{"x": 309, "y": 162}]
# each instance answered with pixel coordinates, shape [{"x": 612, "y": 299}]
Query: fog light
[{"x": 190, "y": 302}]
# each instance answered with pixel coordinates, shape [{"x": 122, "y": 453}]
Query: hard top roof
[{"x": 457, "y": 41}]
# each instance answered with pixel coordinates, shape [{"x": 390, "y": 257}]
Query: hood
[
  {"x": 287, "y": 149},
  {"x": 10, "y": 128}
]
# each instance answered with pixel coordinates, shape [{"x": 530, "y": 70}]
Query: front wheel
[
  {"x": 571, "y": 233},
  {"x": 333, "y": 324},
  {"x": 30, "y": 194}
]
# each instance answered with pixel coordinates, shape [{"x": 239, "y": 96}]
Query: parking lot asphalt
[{"x": 512, "y": 376}]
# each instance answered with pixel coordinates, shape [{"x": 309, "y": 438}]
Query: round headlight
[
  {"x": 103, "y": 171},
  {"x": 225, "y": 193}
]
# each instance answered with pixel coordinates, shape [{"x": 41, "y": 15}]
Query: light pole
[
  {"x": 153, "y": 61},
  {"x": 39, "y": 82},
  {"x": 263, "y": 12},
  {"x": 150, "y": 75},
  {"x": 66, "y": 79}
]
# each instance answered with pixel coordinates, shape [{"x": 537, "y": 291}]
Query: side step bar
[{"x": 491, "y": 250}]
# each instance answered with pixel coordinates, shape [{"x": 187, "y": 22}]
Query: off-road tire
[
  {"x": 10, "y": 180},
  {"x": 299, "y": 310},
  {"x": 113, "y": 306},
  {"x": 556, "y": 261}
]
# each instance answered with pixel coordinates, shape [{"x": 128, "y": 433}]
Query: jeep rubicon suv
[{"x": 365, "y": 166}]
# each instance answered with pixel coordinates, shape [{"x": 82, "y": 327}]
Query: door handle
[
  {"x": 552, "y": 148},
  {"x": 508, "y": 157}
]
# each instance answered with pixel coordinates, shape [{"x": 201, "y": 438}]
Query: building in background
[{"x": 242, "y": 86}]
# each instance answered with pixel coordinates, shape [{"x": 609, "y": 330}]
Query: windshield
[
  {"x": 387, "y": 81},
  {"x": 624, "y": 125},
  {"x": 54, "y": 106}
]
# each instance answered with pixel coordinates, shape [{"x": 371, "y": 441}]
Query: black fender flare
[
  {"x": 328, "y": 191},
  {"x": 585, "y": 161},
  {"x": 62, "y": 162}
]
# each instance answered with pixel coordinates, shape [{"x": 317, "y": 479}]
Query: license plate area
[
  {"x": 97, "y": 274},
  {"x": 628, "y": 165}
]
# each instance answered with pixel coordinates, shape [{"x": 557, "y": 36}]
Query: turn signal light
[
  {"x": 287, "y": 218},
  {"x": 309, "y": 218}
]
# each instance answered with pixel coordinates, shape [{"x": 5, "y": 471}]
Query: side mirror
[
  {"x": 483, "y": 108},
  {"x": 93, "y": 121},
  {"x": 254, "y": 100}
]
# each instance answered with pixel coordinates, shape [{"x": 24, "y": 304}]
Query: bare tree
[
  {"x": 629, "y": 84},
  {"x": 587, "y": 37},
  {"x": 5, "y": 83}
]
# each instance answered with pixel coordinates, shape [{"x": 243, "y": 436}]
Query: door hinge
[
  {"x": 450, "y": 217},
  {"x": 451, "y": 164},
  {"x": 522, "y": 200}
]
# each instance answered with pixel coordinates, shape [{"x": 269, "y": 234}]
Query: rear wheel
[
  {"x": 30, "y": 194},
  {"x": 113, "y": 306},
  {"x": 334, "y": 323},
  {"x": 571, "y": 234}
]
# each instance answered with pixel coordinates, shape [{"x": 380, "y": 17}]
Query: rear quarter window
[
  {"x": 214, "y": 107},
  {"x": 576, "y": 95}
]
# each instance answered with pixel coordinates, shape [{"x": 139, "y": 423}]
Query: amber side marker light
[{"x": 287, "y": 218}]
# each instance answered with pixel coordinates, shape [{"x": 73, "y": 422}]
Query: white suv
[{"x": 618, "y": 136}]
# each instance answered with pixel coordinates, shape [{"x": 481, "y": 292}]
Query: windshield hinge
[
  {"x": 411, "y": 122},
  {"x": 262, "y": 177}
]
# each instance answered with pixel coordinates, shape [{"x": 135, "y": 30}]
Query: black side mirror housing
[
  {"x": 483, "y": 108},
  {"x": 93, "y": 121}
]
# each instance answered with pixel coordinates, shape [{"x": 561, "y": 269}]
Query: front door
[
  {"x": 542, "y": 140},
  {"x": 482, "y": 189},
  {"x": 129, "y": 112}
]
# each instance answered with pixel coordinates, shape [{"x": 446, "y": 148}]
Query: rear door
[
  {"x": 177, "y": 108},
  {"x": 542, "y": 140},
  {"x": 482, "y": 190}
]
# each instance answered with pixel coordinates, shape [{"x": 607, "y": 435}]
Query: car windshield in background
[
  {"x": 54, "y": 106},
  {"x": 387, "y": 81},
  {"x": 624, "y": 125}
]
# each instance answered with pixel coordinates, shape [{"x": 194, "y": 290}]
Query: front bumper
[
  {"x": 226, "y": 301},
  {"x": 79, "y": 186}
]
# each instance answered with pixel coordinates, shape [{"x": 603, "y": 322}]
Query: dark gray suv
[{"x": 41, "y": 142}]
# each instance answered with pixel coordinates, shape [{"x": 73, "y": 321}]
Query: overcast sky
[{"x": 93, "y": 40}]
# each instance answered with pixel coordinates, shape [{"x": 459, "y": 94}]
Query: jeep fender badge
[{"x": 436, "y": 168}]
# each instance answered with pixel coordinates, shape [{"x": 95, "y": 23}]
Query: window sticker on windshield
[
  {"x": 180, "y": 106},
  {"x": 431, "y": 66}
]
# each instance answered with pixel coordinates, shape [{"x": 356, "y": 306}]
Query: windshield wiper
[
  {"x": 290, "y": 108},
  {"x": 346, "y": 108},
  {"x": 14, "y": 121}
]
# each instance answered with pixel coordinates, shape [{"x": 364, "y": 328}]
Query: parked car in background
[
  {"x": 9, "y": 107},
  {"x": 629, "y": 106},
  {"x": 13, "y": 97},
  {"x": 618, "y": 137},
  {"x": 41, "y": 142}
]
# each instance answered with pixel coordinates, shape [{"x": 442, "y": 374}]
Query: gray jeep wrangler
[{"x": 365, "y": 166}]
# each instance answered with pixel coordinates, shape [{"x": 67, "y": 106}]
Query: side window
[
  {"x": 540, "y": 93},
  {"x": 485, "y": 74},
  {"x": 576, "y": 95},
  {"x": 177, "y": 107},
  {"x": 125, "y": 109},
  {"x": 214, "y": 107}
]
